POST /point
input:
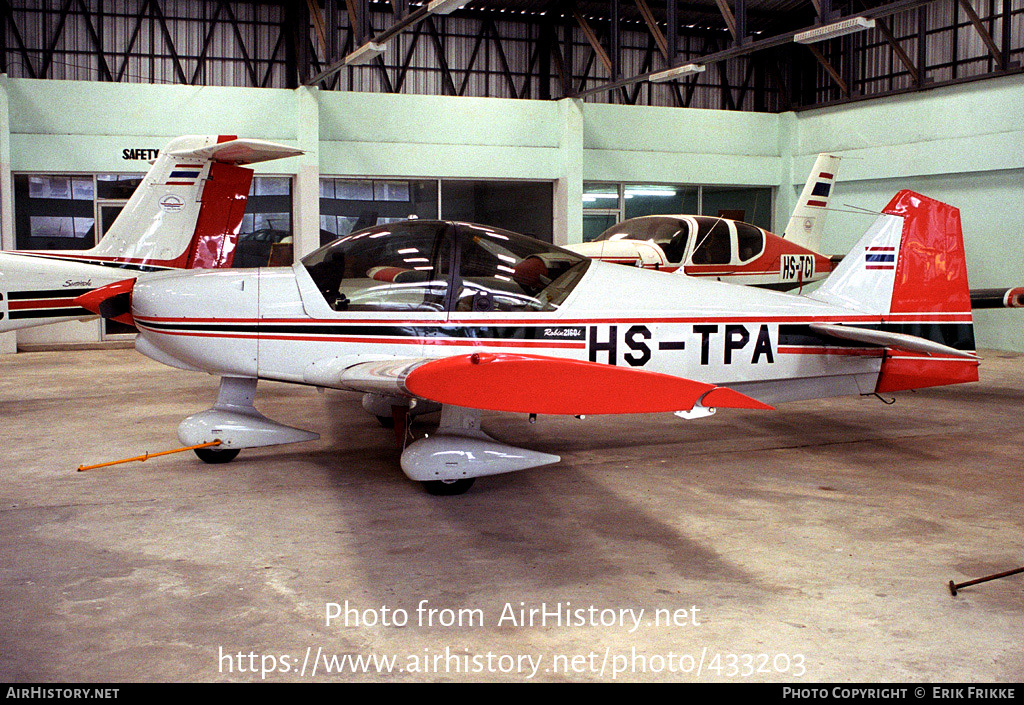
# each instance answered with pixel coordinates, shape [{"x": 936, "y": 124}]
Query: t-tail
[
  {"x": 807, "y": 223},
  {"x": 910, "y": 270},
  {"x": 185, "y": 214}
]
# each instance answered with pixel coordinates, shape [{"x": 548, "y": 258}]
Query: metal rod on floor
[
  {"x": 953, "y": 587},
  {"x": 147, "y": 456}
]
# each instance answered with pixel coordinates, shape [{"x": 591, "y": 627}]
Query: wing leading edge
[{"x": 528, "y": 384}]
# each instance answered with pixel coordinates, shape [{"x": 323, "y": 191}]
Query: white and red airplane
[
  {"x": 742, "y": 253},
  {"x": 729, "y": 250},
  {"x": 420, "y": 314},
  {"x": 184, "y": 215}
]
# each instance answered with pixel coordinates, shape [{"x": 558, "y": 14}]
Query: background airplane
[
  {"x": 184, "y": 215},
  {"x": 473, "y": 318},
  {"x": 742, "y": 253},
  {"x": 729, "y": 250}
]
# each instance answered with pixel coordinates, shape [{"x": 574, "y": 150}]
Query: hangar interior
[{"x": 534, "y": 116}]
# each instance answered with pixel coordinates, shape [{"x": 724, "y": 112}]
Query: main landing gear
[{"x": 448, "y": 461}]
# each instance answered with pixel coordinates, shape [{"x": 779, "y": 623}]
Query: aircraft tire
[
  {"x": 439, "y": 488},
  {"x": 216, "y": 457}
]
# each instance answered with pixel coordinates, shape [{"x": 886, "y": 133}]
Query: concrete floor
[{"x": 822, "y": 535}]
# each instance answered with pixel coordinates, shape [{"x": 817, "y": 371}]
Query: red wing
[{"x": 548, "y": 385}]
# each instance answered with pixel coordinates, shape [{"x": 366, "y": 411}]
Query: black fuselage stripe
[
  {"x": 955, "y": 335},
  {"x": 46, "y": 294},
  {"x": 50, "y": 313},
  {"x": 544, "y": 332}
]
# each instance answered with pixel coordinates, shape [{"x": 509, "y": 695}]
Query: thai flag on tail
[
  {"x": 880, "y": 258},
  {"x": 184, "y": 174},
  {"x": 821, "y": 189}
]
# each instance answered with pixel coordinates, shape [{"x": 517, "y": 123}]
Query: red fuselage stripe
[
  {"x": 40, "y": 303},
  {"x": 380, "y": 341},
  {"x": 898, "y": 317}
]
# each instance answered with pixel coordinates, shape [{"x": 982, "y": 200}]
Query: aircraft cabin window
[
  {"x": 714, "y": 244},
  {"x": 749, "y": 240},
  {"x": 503, "y": 271},
  {"x": 395, "y": 267},
  {"x": 675, "y": 247}
]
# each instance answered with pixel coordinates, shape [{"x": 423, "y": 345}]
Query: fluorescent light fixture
[
  {"x": 658, "y": 192},
  {"x": 836, "y": 29},
  {"x": 677, "y": 72},
  {"x": 365, "y": 54},
  {"x": 446, "y": 7}
]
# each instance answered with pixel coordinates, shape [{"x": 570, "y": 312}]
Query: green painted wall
[{"x": 962, "y": 145}]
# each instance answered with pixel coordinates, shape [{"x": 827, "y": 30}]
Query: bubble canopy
[{"x": 439, "y": 266}]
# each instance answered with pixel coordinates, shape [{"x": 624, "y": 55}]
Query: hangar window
[
  {"x": 347, "y": 205},
  {"x": 117, "y": 187},
  {"x": 54, "y": 212},
  {"x": 265, "y": 237},
  {"x": 750, "y": 205},
  {"x": 606, "y": 204},
  {"x": 520, "y": 206}
]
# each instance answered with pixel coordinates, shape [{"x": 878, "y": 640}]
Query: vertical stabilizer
[
  {"x": 188, "y": 209},
  {"x": 910, "y": 269},
  {"x": 807, "y": 223},
  {"x": 186, "y": 213}
]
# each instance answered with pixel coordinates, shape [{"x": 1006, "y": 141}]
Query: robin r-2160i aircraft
[
  {"x": 420, "y": 314},
  {"x": 184, "y": 215}
]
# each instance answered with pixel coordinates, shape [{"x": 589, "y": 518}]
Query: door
[{"x": 106, "y": 214}]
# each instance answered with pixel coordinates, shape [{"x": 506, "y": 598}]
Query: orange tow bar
[{"x": 147, "y": 456}]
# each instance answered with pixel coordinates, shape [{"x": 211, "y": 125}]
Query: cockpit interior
[{"x": 423, "y": 265}]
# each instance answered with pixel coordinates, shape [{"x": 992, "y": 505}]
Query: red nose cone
[{"x": 113, "y": 301}]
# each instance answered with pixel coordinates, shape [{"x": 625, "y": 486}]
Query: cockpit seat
[{"x": 531, "y": 273}]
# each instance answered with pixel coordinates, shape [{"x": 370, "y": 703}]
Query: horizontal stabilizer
[
  {"x": 998, "y": 298},
  {"x": 239, "y": 151},
  {"x": 881, "y": 338},
  {"x": 548, "y": 385}
]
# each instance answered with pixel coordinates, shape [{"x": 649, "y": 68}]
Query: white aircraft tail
[
  {"x": 188, "y": 209},
  {"x": 909, "y": 272},
  {"x": 807, "y": 223},
  {"x": 186, "y": 213}
]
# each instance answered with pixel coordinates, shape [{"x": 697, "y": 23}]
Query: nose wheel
[
  {"x": 448, "y": 488},
  {"x": 213, "y": 456}
]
